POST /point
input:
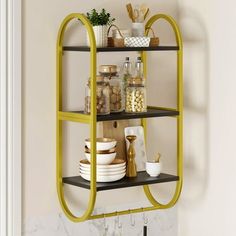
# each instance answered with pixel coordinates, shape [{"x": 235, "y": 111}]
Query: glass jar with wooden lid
[
  {"x": 110, "y": 73},
  {"x": 103, "y": 96}
]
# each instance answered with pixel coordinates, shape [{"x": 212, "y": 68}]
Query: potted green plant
[{"x": 100, "y": 22}]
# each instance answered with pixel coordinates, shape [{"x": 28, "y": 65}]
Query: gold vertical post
[{"x": 93, "y": 116}]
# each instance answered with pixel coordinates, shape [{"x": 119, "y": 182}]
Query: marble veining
[{"x": 162, "y": 223}]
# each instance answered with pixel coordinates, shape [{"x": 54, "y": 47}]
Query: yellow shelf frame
[{"x": 92, "y": 121}]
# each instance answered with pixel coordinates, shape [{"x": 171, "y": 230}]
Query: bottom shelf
[{"x": 142, "y": 179}]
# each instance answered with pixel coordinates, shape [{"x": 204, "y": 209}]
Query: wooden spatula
[{"x": 130, "y": 11}]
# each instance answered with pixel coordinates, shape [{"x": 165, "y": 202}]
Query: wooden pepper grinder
[{"x": 131, "y": 170}]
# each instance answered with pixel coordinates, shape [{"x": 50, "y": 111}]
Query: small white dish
[
  {"x": 104, "y": 179},
  {"x": 153, "y": 168},
  {"x": 101, "y": 170},
  {"x": 115, "y": 164},
  {"x": 87, "y": 172},
  {"x": 102, "y": 159},
  {"x": 102, "y": 143}
]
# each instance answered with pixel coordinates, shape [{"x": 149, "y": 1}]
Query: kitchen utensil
[
  {"x": 131, "y": 165},
  {"x": 145, "y": 14},
  {"x": 139, "y": 145},
  {"x": 130, "y": 11},
  {"x": 157, "y": 157},
  {"x": 136, "y": 14}
]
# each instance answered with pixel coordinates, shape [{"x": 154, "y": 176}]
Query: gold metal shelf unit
[{"x": 92, "y": 119}]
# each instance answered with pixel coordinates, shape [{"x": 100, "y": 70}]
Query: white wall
[
  {"x": 209, "y": 122},
  {"x": 207, "y": 205}
]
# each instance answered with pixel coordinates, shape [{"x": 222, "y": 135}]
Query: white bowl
[
  {"x": 115, "y": 164},
  {"x": 87, "y": 172},
  {"x": 104, "y": 179},
  {"x": 102, "y": 143},
  {"x": 103, "y": 159},
  {"x": 153, "y": 168},
  {"x": 105, "y": 171}
]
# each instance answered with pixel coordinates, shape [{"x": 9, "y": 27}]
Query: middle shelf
[
  {"x": 80, "y": 116},
  {"x": 142, "y": 179}
]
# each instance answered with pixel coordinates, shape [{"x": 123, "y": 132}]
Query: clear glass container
[
  {"x": 109, "y": 72},
  {"x": 126, "y": 73},
  {"x": 103, "y": 97},
  {"x": 136, "y": 91},
  {"x": 136, "y": 96}
]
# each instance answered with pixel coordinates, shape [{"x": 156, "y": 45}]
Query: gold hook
[
  {"x": 119, "y": 224},
  {"x": 145, "y": 219},
  {"x": 104, "y": 222},
  {"x": 132, "y": 219}
]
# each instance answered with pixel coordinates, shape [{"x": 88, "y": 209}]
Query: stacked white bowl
[{"x": 109, "y": 169}]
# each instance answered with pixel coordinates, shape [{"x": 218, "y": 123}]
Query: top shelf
[{"x": 121, "y": 49}]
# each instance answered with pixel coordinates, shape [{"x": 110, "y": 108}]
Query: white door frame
[{"x": 10, "y": 117}]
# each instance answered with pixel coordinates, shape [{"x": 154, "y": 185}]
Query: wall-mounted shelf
[
  {"x": 142, "y": 179},
  {"x": 121, "y": 49},
  {"x": 151, "y": 113},
  {"x": 92, "y": 119}
]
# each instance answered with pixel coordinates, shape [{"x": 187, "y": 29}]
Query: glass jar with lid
[
  {"x": 109, "y": 72},
  {"x": 136, "y": 95},
  {"x": 103, "y": 97},
  {"x": 136, "y": 90}
]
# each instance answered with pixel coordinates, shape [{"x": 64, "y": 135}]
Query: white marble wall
[{"x": 162, "y": 223}]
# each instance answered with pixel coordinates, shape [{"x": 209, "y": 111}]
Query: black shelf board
[
  {"x": 151, "y": 112},
  {"x": 142, "y": 179},
  {"x": 121, "y": 49}
]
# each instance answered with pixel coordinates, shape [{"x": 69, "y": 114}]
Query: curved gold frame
[
  {"x": 92, "y": 120},
  {"x": 179, "y": 43}
]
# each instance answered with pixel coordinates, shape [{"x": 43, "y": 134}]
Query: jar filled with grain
[
  {"x": 109, "y": 72},
  {"x": 136, "y": 96},
  {"x": 103, "y": 97},
  {"x": 135, "y": 100}
]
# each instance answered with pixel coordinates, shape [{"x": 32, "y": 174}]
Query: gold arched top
[
  {"x": 173, "y": 24},
  {"x": 93, "y": 51},
  {"x": 84, "y": 21}
]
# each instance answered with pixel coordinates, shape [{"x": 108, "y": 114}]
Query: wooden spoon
[
  {"x": 146, "y": 13},
  {"x": 130, "y": 11},
  {"x": 157, "y": 158}
]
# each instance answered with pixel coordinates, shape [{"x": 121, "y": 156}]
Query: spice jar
[
  {"x": 109, "y": 72},
  {"x": 136, "y": 96},
  {"x": 103, "y": 97}
]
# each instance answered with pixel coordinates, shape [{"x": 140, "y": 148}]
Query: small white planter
[{"x": 100, "y": 33}]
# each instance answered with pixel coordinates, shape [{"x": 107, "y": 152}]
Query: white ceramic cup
[
  {"x": 153, "y": 168},
  {"x": 138, "y": 29}
]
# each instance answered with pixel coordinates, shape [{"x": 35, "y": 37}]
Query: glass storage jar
[
  {"x": 136, "y": 96},
  {"x": 109, "y": 72},
  {"x": 103, "y": 97}
]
